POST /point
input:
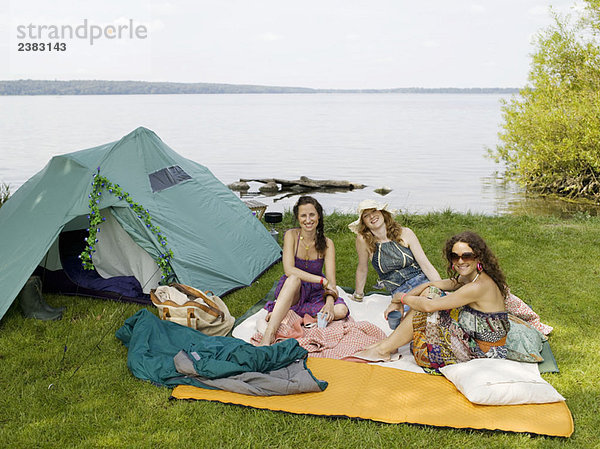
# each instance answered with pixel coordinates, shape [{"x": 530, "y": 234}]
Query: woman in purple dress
[{"x": 304, "y": 288}]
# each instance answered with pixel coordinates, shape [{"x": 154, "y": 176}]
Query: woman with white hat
[{"x": 394, "y": 251}]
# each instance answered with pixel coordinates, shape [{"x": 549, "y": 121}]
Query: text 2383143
[{"x": 41, "y": 46}]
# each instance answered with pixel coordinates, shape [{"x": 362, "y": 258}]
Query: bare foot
[
  {"x": 371, "y": 346},
  {"x": 266, "y": 340},
  {"x": 373, "y": 354}
]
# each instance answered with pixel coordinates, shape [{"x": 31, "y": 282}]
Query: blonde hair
[{"x": 392, "y": 227}]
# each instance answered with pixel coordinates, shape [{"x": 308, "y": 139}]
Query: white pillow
[{"x": 501, "y": 382}]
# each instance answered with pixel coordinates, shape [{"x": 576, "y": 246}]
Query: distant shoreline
[{"x": 102, "y": 87}]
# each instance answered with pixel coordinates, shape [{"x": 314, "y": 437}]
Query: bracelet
[
  {"x": 328, "y": 292},
  {"x": 321, "y": 281},
  {"x": 402, "y": 298}
]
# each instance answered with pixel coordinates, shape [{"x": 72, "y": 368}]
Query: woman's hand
[
  {"x": 327, "y": 310},
  {"x": 393, "y": 306}
]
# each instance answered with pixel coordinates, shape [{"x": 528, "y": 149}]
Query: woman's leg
[
  {"x": 383, "y": 349},
  {"x": 402, "y": 335},
  {"x": 288, "y": 296},
  {"x": 340, "y": 311}
]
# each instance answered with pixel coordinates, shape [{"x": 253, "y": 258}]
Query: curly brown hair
[
  {"x": 320, "y": 240},
  {"x": 484, "y": 254},
  {"x": 392, "y": 227}
]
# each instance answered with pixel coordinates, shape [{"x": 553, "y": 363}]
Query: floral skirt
[{"x": 458, "y": 335}]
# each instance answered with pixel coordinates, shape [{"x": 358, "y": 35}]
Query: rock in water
[
  {"x": 384, "y": 190},
  {"x": 240, "y": 185},
  {"x": 269, "y": 187}
]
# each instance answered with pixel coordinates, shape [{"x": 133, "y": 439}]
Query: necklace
[
  {"x": 478, "y": 273},
  {"x": 306, "y": 247}
]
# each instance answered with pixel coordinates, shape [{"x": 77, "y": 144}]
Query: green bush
[{"x": 550, "y": 141}]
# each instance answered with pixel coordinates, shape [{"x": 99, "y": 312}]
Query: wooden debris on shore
[
  {"x": 269, "y": 187},
  {"x": 303, "y": 184}
]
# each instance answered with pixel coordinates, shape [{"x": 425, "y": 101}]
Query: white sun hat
[{"x": 366, "y": 205}]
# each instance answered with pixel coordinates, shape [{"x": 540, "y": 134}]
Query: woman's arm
[
  {"x": 330, "y": 265},
  {"x": 329, "y": 300},
  {"x": 467, "y": 294},
  {"x": 362, "y": 269},
  {"x": 289, "y": 264},
  {"x": 447, "y": 285},
  {"x": 415, "y": 246}
]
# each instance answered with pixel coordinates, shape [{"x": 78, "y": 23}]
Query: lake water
[{"x": 430, "y": 149}]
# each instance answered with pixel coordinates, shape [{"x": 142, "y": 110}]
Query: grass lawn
[{"x": 552, "y": 264}]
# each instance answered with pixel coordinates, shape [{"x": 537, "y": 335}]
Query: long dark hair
[
  {"x": 320, "y": 241},
  {"x": 484, "y": 254}
]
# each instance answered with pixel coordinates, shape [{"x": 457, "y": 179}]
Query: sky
[{"x": 339, "y": 44}]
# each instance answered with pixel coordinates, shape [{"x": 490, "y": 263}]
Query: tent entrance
[
  {"x": 123, "y": 269},
  {"x": 72, "y": 279}
]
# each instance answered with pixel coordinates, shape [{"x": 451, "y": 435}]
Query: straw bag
[{"x": 203, "y": 311}]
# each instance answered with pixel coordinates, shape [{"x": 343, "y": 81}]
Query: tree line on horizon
[{"x": 103, "y": 87}]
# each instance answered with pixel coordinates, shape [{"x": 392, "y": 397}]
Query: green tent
[{"x": 159, "y": 204}]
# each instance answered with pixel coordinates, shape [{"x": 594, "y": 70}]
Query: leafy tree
[{"x": 550, "y": 141}]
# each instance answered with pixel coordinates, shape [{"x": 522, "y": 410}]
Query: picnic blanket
[
  {"x": 358, "y": 390},
  {"x": 371, "y": 391},
  {"x": 338, "y": 340},
  {"x": 371, "y": 310}
]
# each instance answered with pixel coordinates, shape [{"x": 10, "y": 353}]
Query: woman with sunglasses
[
  {"x": 303, "y": 288},
  {"x": 394, "y": 251},
  {"x": 466, "y": 320}
]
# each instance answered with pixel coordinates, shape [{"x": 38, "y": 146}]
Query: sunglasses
[{"x": 466, "y": 257}]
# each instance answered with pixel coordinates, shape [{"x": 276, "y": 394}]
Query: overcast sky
[{"x": 308, "y": 43}]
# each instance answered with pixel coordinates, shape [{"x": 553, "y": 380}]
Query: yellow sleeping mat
[{"x": 360, "y": 390}]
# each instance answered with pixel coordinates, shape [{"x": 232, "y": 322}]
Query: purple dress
[{"x": 311, "y": 294}]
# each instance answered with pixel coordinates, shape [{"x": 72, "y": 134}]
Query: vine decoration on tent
[{"x": 101, "y": 184}]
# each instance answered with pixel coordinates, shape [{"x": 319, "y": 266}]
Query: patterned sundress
[{"x": 458, "y": 335}]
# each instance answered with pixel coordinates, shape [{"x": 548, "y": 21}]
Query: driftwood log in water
[{"x": 307, "y": 183}]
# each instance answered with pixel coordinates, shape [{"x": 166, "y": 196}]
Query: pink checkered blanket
[{"x": 340, "y": 339}]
